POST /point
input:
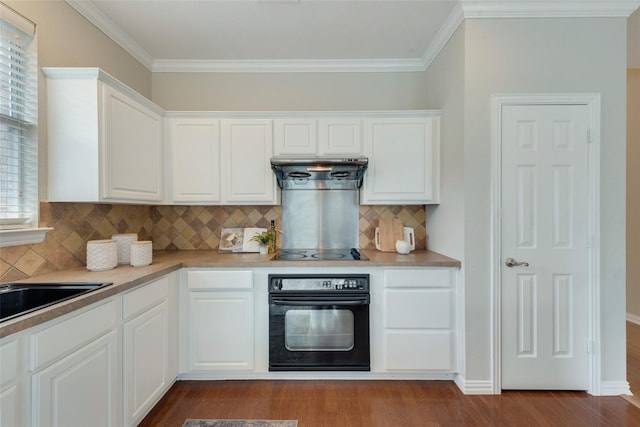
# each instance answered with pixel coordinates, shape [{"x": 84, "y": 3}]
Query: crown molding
[
  {"x": 549, "y": 8},
  {"x": 111, "y": 30},
  {"x": 449, "y": 27},
  {"x": 464, "y": 9},
  {"x": 290, "y": 66}
]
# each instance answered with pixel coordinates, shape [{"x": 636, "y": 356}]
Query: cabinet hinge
[{"x": 589, "y": 136}]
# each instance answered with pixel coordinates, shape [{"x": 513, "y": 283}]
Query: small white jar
[
  {"x": 403, "y": 247},
  {"x": 102, "y": 255},
  {"x": 141, "y": 253},
  {"x": 124, "y": 246}
]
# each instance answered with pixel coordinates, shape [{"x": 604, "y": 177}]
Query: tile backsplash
[{"x": 170, "y": 228}]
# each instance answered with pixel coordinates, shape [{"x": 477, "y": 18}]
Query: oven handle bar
[{"x": 314, "y": 303}]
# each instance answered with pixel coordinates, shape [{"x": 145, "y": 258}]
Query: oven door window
[{"x": 319, "y": 330}]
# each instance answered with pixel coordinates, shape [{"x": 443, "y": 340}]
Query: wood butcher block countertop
[{"x": 125, "y": 277}]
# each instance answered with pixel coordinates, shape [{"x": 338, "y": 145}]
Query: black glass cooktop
[{"x": 352, "y": 254}]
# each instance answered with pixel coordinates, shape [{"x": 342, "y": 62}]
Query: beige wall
[
  {"x": 444, "y": 81},
  {"x": 633, "y": 167},
  {"x": 633, "y": 40},
  {"x": 66, "y": 39},
  {"x": 544, "y": 56},
  {"x": 289, "y": 91},
  {"x": 633, "y": 193}
]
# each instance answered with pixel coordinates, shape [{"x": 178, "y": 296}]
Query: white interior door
[{"x": 545, "y": 231}]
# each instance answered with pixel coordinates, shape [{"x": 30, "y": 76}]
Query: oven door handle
[{"x": 321, "y": 302}]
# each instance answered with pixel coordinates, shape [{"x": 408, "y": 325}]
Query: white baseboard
[
  {"x": 633, "y": 318},
  {"x": 473, "y": 387},
  {"x": 614, "y": 388}
]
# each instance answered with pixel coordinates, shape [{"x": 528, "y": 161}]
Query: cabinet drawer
[
  {"x": 418, "y": 350},
  {"x": 231, "y": 279},
  {"x": 432, "y": 277},
  {"x": 420, "y": 308},
  {"x": 63, "y": 337},
  {"x": 147, "y": 296}
]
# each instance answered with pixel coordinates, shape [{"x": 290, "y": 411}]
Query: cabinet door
[
  {"x": 82, "y": 389},
  {"x": 11, "y": 406},
  {"x": 403, "y": 161},
  {"x": 418, "y": 350},
  {"x": 295, "y": 136},
  {"x": 418, "y": 308},
  {"x": 195, "y": 158},
  {"x": 220, "y": 331},
  {"x": 146, "y": 354},
  {"x": 418, "y": 325},
  {"x": 13, "y": 402},
  {"x": 247, "y": 147},
  {"x": 339, "y": 136},
  {"x": 131, "y": 148}
]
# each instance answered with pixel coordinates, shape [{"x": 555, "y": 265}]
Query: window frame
[{"x": 21, "y": 124}]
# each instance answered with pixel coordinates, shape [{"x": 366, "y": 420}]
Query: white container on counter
[
  {"x": 403, "y": 247},
  {"x": 141, "y": 253},
  {"x": 102, "y": 255},
  {"x": 124, "y": 246}
]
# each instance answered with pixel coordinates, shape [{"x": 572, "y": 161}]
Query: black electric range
[{"x": 352, "y": 254}]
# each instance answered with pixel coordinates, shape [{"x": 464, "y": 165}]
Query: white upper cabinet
[
  {"x": 404, "y": 160},
  {"x": 106, "y": 144},
  {"x": 295, "y": 136},
  {"x": 104, "y": 140},
  {"x": 317, "y": 136},
  {"x": 195, "y": 159},
  {"x": 340, "y": 135},
  {"x": 247, "y": 147}
]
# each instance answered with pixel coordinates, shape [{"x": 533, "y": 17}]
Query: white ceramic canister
[
  {"x": 141, "y": 253},
  {"x": 102, "y": 255},
  {"x": 403, "y": 247},
  {"x": 124, "y": 246}
]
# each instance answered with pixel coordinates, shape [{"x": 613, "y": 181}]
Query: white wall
[{"x": 537, "y": 56}]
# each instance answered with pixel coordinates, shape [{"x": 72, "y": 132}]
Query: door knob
[{"x": 510, "y": 262}]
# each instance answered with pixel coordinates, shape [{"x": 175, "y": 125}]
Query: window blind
[{"x": 18, "y": 107}]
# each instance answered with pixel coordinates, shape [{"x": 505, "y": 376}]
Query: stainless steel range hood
[{"x": 319, "y": 173}]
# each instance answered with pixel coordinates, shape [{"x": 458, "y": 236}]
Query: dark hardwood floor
[
  {"x": 384, "y": 403},
  {"x": 396, "y": 403},
  {"x": 633, "y": 359}
]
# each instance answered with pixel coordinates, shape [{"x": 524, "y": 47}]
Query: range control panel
[{"x": 296, "y": 282}]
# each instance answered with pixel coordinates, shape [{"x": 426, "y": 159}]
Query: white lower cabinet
[
  {"x": 76, "y": 370},
  {"x": 82, "y": 389},
  {"x": 219, "y": 322},
  {"x": 105, "y": 365},
  {"x": 147, "y": 368},
  {"x": 13, "y": 382},
  {"x": 418, "y": 320}
]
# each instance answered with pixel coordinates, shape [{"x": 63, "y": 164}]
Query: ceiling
[{"x": 304, "y": 35}]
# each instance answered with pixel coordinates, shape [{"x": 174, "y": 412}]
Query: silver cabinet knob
[{"x": 510, "y": 262}]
